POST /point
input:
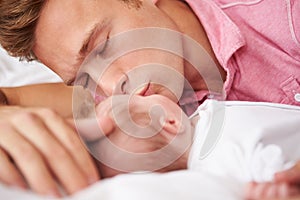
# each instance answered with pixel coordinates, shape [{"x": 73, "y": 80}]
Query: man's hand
[
  {"x": 271, "y": 191},
  {"x": 39, "y": 148},
  {"x": 286, "y": 185},
  {"x": 290, "y": 176},
  {"x": 3, "y": 100}
]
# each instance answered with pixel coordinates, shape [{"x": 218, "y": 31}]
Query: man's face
[{"x": 68, "y": 30}]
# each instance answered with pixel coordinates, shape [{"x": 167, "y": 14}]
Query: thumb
[{"x": 92, "y": 129}]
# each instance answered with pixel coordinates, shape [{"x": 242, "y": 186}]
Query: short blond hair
[{"x": 18, "y": 21}]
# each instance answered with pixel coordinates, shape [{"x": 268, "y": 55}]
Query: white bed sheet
[
  {"x": 16, "y": 73},
  {"x": 177, "y": 185}
]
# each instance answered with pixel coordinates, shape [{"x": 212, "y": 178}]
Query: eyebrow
[
  {"x": 87, "y": 40},
  {"x": 84, "y": 48}
]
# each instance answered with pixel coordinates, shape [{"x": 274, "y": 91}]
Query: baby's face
[{"x": 141, "y": 134}]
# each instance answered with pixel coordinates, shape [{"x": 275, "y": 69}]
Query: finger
[
  {"x": 285, "y": 190},
  {"x": 9, "y": 174},
  {"x": 57, "y": 157},
  {"x": 248, "y": 194},
  {"x": 29, "y": 162},
  {"x": 259, "y": 191},
  {"x": 272, "y": 191},
  {"x": 67, "y": 135},
  {"x": 87, "y": 131},
  {"x": 291, "y": 175}
]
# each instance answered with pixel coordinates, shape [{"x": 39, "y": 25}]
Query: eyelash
[
  {"x": 87, "y": 81},
  {"x": 84, "y": 80},
  {"x": 104, "y": 46}
]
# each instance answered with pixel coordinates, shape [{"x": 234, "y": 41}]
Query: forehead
[{"x": 61, "y": 29}]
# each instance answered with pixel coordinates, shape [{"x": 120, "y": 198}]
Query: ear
[{"x": 171, "y": 125}]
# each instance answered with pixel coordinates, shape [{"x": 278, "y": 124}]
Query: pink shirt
[{"x": 258, "y": 44}]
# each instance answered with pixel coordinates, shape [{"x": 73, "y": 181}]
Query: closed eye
[
  {"x": 103, "y": 47},
  {"x": 83, "y": 80},
  {"x": 123, "y": 84},
  {"x": 123, "y": 89}
]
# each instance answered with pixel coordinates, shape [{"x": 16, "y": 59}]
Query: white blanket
[
  {"x": 246, "y": 141},
  {"x": 170, "y": 186}
]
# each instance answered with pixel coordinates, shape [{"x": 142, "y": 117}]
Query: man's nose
[{"x": 114, "y": 87}]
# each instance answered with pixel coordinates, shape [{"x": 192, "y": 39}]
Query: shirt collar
[{"x": 223, "y": 34}]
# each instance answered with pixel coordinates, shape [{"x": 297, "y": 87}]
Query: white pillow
[{"x": 16, "y": 73}]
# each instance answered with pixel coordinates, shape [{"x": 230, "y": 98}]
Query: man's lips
[{"x": 145, "y": 91}]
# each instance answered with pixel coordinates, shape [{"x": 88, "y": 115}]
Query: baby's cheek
[
  {"x": 152, "y": 144},
  {"x": 135, "y": 145}
]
